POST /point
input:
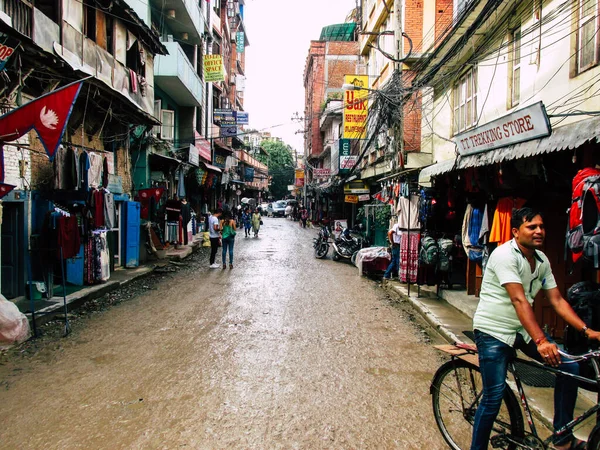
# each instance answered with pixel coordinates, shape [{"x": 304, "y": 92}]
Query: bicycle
[{"x": 456, "y": 392}]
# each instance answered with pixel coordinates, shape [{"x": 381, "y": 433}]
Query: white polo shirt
[{"x": 495, "y": 313}]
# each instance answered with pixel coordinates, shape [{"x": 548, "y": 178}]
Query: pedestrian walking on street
[
  {"x": 394, "y": 236},
  {"x": 215, "y": 236},
  {"x": 304, "y": 217},
  {"x": 505, "y": 321},
  {"x": 256, "y": 222},
  {"x": 228, "y": 238},
  {"x": 186, "y": 216},
  {"x": 247, "y": 221}
]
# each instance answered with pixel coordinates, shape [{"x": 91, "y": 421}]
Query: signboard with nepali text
[
  {"x": 300, "y": 177},
  {"x": 356, "y": 107},
  {"x": 351, "y": 198},
  {"x": 213, "y": 68},
  {"x": 519, "y": 126}
]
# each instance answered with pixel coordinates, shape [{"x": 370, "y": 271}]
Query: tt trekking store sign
[{"x": 519, "y": 126}]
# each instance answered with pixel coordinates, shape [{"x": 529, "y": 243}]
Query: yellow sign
[
  {"x": 299, "y": 177},
  {"x": 351, "y": 198},
  {"x": 213, "y": 68},
  {"x": 356, "y": 107}
]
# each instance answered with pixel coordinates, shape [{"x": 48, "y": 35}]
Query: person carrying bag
[{"x": 228, "y": 238}]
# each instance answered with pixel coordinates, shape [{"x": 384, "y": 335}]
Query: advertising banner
[
  {"x": 299, "y": 177},
  {"x": 351, "y": 198},
  {"x": 347, "y": 161},
  {"x": 249, "y": 174},
  {"x": 8, "y": 45},
  {"x": 224, "y": 116},
  {"x": 241, "y": 118},
  {"x": 356, "y": 107},
  {"x": 239, "y": 42},
  {"x": 213, "y": 68},
  {"x": 203, "y": 147},
  {"x": 321, "y": 172},
  {"x": 228, "y": 131},
  {"x": 194, "y": 156}
]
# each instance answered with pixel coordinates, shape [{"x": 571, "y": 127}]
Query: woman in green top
[
  {"x": 256, "y": 221},
  {"x": 228, "y": 237}
]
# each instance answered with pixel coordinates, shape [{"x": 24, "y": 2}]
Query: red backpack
[{"x": 583, "y": 234}]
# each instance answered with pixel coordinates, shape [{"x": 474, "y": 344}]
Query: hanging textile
[
  {"x": 408, "y": 213},
  {"x": 84, "y": 166},
  {"x": 95, "y": 172},
  {"x": 109, "y": 210},
  {"x": 501, "y": 230},
  {"x": 68, "y": 236},
  {"x": 409, "y": 260},
  {"x": 97, "y": 203},
  {"x": 181, "y": 184}
]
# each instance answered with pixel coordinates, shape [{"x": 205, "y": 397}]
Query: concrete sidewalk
[
  {"x": 55, "y": 306},
  {"x": 451, "y": 313}
]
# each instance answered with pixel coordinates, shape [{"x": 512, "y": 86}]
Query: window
[
  {"x": 157, "y": 108},
  {"x": 514, "y": 76},
  {"x": 465, "y": 102},
  {"x": 587, "y": 36},
  {"x": 89, "y": 21},
  {"x": 167, "y": 129}
]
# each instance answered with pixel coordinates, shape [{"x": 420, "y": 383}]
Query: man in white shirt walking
[
  {"x": 215, "y": 234},
  {"x": 394, "y": 237}
]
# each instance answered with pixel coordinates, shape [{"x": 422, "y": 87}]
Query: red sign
[{"x": 203, "y": 147}]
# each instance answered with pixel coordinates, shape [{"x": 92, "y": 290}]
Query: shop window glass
[{"x": 167, "y": 129}]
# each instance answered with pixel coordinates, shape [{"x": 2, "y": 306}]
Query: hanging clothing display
[
  {"x": 501, "y": 230},
  {"x": 408, "y": 213},
  {"x": 409, "y": 257},
  {"x": 68, "y": 236},
  {"x": 109, "y": 210},
  {"x": 180, "y": 184},
  {"x": 97, "y": 203},
  {"x": 95, "y": 171}
]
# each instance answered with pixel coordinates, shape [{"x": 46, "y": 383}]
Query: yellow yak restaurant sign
[{"x": 356, "y": 107}]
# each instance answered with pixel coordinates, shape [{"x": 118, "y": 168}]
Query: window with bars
[
  {"x": 464, "y": 102},
  {"x": 514, "y": 80},
  {"x": 157, "y": 108},
  {"x": 587, "y": 34}
]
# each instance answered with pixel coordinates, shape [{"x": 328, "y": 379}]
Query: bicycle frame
[
  {"x": 523, "y": 397},
  {"x": 468, "y": 353}
]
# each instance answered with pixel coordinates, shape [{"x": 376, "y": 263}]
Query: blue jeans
[
  {"x": 494, "y": 357},
  {"x": 394, "y": 266},
  {"x": 228, "y": 245}
]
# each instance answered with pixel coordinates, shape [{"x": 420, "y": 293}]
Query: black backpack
[
  {"x": 584, "y": 298},
  {"x": 429, "y": 253}
]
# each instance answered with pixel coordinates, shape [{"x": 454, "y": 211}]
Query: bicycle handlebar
[{"x": 583, "y": 357}]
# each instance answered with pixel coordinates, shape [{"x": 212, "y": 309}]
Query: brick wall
[
  {"x": 413, "y": 24},
  {"x": 412, "y": 117},
  {"x": 443, "y": 18},
  {"x": 17, "y": 164}
]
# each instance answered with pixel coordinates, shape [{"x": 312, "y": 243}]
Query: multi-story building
[
  {"x": 54, "y": 43},
  {"x": 510, "y": 115},
  {"x": 329, "y": 59}
]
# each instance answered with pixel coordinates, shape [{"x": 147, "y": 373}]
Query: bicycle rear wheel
[{"x": 456, "y": 393}]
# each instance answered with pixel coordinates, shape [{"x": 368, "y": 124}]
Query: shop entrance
[{"x": 13, "y": 279}]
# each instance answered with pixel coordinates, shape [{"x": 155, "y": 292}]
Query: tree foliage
[{"x": 280, "y": 161}]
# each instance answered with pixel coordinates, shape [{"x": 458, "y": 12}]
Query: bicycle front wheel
[{"x": 456, "y": 393}]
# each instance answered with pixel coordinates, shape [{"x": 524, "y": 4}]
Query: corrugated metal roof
[
  {"x": 339, "y": 32},
  {"x": 567, "y": 137}
]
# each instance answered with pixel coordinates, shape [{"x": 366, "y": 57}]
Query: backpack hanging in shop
[
  {"x": 583, "y": 234},
  {"x": 445, "y": 246},
  {"x": 429, "y": 253}
]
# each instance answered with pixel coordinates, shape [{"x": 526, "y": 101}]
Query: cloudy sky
[{"x": 280, "y": 32}]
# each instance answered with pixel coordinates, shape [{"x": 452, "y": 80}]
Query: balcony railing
[
  {"x": 21, "y": 13},
  {"x": 175, "y": 75}
]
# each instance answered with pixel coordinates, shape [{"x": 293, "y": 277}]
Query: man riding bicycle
[{"x": 504, "y": 321}]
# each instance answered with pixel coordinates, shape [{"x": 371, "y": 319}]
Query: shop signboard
[
  {"x": 228, "y": 131},
  {"x": 224, "y": 116},
  {"x": 241, "y": 118},
  {"x": 239, "y": 47},
  {"x": 356, "y": 107},
  {"x": 356, "y": 187},
  {"x": 193, "y": 156},
  {"x": 203, "y": 147},
  {"x": 351, "y": 198},
  {"x": 213, "y": 68},
  {"x": 321, "y": 172},
  {"x": 249, "y": 174},
  {"x": 8, "y": 45},
  {"x": 364, "y": 197},
  {"x": 299, "y": 177},
  {"x": 220, "y": 159},
  {"x": 347, "y": 161},
  {"x": 519, "y": 126}
]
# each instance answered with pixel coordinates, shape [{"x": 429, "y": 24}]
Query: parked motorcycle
[
  {"x": 321, "y": 243},
  {"x": 347, "y": 245}
]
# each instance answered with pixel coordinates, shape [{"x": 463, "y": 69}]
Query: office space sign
[
  {"x": 356, "y": 107},
  {"x": 321, "y": 172},
  {"x": 519, "y": 126},
  {"x": 213, "y": 68}
]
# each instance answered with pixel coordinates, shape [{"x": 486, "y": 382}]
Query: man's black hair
[
  {"x": 521, "y": 215},
  {"x": 218, "y": 211}
]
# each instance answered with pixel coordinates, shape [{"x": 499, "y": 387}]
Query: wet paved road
[{"x": 282, "y": 352}]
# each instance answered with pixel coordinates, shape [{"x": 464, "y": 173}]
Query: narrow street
[{"x": 283, "y": 351}]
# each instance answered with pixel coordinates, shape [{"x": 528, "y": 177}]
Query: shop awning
[
  {"x": 222, "y": 145},
  {"x": 211, "y": 167},
  {"x": 165, "y": 159},
  {"x": 567, "y": 137}
]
